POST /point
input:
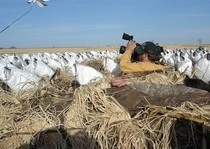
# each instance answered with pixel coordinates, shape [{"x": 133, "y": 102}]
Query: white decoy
[
  {"x": 14, "y": 59},
  {"x": 168, "y": 57},
  {"x": 54, "y": 56},
  {"x": 40, "y": 3},
  {"x": 16, "y": 78},
  {"x": 111, "y": 66},
  {"x": 52, "y": 63},
  {"x": 202, "y": 68},
  {"x": 79, "y": 58},
  {"x": 39, "y": 68},
  {"x": 195, "y": 56},
  {"x": 184, "y": 64},
  {"x": 85, "y": 74}
]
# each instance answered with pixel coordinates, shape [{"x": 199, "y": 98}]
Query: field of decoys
[{"x": 21, "y": 68}]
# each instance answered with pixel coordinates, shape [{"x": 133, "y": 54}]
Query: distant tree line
[{"x": 12, "y": 47}]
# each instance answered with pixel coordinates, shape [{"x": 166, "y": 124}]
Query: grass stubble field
[{"x": 86, "y": 49}]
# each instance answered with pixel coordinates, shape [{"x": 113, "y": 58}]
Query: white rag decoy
[
  {"x": 52, "y": 63},
  {"x": 202, "y": 69},
  {"x": 16, "y": 78},
  {"x": 184, "y": 64},
  {"x": 40, "y": 3},
  {"x": 39, "y": 68},
  {"x": 111, "y": 66},
  {"x": 168, "y": 57},
  {"x": 14, "y": 59},
  {"x": 85, "y": 74},
  {"x": 195, "y": 56}
]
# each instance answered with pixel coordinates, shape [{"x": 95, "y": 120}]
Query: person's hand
[
  {"x": 131, "y": 45},
  {"x": 119, "y": 82}
]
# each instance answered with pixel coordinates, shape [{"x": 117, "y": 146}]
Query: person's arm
[
  {"x": 127, "y": 66},
  {"x": 119, "y": 82}
]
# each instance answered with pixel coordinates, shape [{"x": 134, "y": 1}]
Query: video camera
[{"x": 128, "y": 38}]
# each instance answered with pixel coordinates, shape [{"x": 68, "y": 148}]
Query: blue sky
[{"x": 73, "y": 23}]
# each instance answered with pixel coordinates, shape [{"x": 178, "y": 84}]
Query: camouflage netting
[{"x": 57, "y": 116}]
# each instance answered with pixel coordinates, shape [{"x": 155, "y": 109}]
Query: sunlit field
[{"x": 85, "y": 49}]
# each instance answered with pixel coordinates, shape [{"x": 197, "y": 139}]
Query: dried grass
[
  {"x": 168, "y": 77},
  {"x": 19, "y": 129},
  {"x": 96, "y": 64},
  {"x": 108, "y": 125},
  {"x": 24, "y": 115}
]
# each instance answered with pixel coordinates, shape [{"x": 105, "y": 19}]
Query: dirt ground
[{"x": 84, "y": 49}]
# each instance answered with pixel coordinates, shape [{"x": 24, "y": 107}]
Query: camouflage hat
[
  {"x": 139, "y": 50},
  {"x": 149, "y": 48}
]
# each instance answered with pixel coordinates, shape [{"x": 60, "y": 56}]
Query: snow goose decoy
[
  {"x": 85, "y": 74},
  {"x": 184, "y": 64},
  {"x": 16, "y": 78},
  {"x": 111, "y": 66},
  {"x": 202, "y": 69}
]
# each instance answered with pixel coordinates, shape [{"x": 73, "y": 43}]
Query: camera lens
[
  {"x": 127, "y": 37},
  {"x": 122, "y": 49}
]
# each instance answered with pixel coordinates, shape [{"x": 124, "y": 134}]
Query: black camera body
[
  {"x": 123, "y": 48},
  {"x": 128, "y": 38}
]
